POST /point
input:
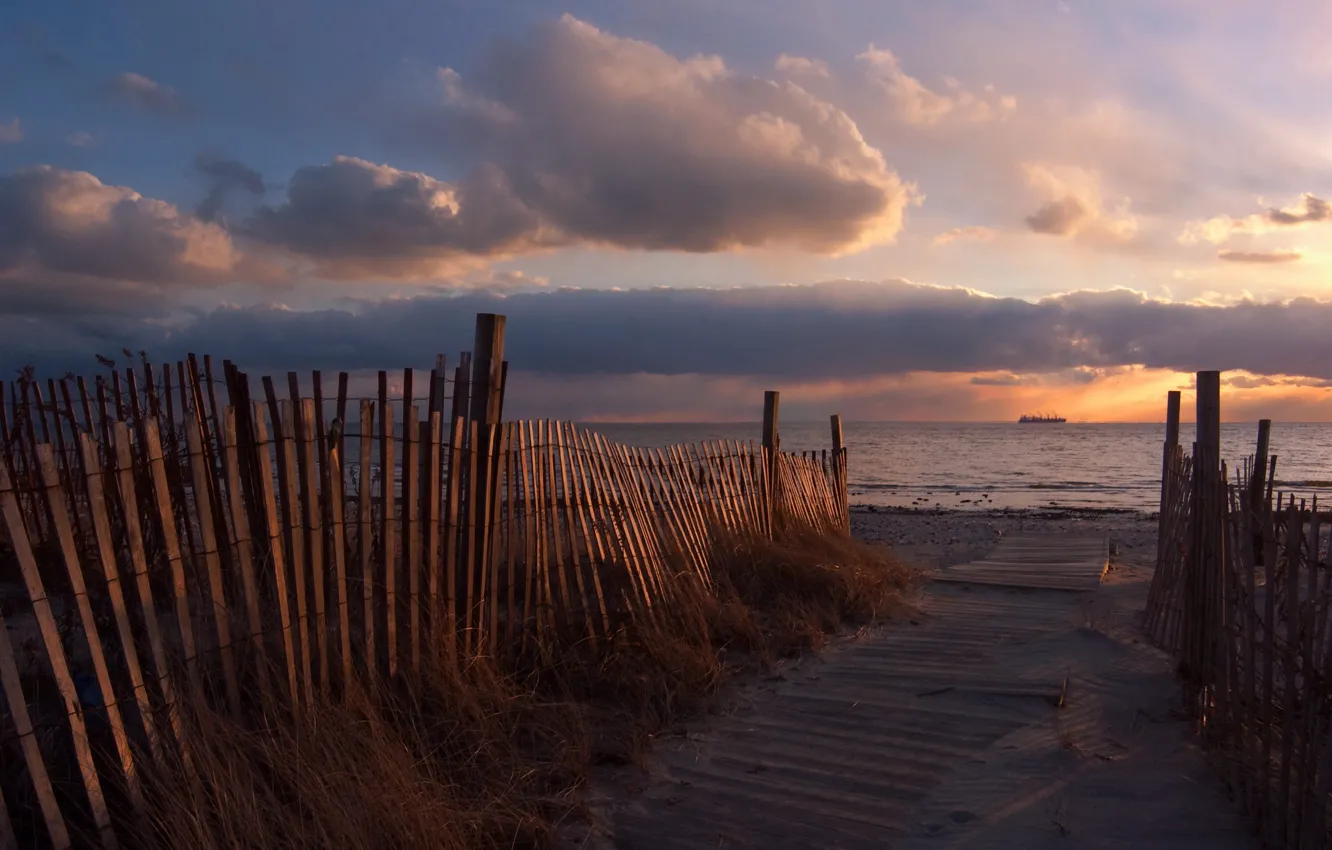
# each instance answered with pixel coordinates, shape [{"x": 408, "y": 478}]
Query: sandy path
[{"x": 941, "y": 730}]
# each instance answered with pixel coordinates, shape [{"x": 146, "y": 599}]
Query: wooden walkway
[
  {"x": 1055, "y": 562},
  {"x": 903, "y": 739}
]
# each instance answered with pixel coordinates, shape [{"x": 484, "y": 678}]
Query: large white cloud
[
  {"x": 615, "y": 141},
  {"x": 59, "y": 222}
]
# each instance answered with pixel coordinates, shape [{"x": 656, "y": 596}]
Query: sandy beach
[{"x": 941, "y": 538}]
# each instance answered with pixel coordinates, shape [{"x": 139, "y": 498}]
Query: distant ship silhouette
[{"x": 1031, "y": 418}]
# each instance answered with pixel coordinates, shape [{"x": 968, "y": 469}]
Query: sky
[{"x": 954, "y": 210}]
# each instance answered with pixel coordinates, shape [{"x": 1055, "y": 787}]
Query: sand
[
  {"x": 938, "y": 730},
  {"x": 941, "y": 538}
]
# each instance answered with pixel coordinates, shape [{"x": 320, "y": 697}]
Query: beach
[{"x": 931, "y": 538}]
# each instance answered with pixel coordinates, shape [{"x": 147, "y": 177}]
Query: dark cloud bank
[{"x": 841, "y": 330}]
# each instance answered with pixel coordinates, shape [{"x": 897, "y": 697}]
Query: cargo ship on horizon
[{"x": 1041, "y": 418}]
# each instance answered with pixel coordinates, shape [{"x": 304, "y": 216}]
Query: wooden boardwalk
[
  {"x": 903, "y": 739},
  {"x": 1054, "y": 562}
]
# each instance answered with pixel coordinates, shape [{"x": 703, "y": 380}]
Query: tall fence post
[
  {"x": 772, "y": 444},
  {"x": 1167, "y": 458},
  {"x": 1204, "y": 569},
  {"x": 487, "y": 401},
  {"x": 839, "y": 467}
]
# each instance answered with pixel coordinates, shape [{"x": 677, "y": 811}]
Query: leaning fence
[
  {"x": 162, "y": 543},
  {"x": 1241, "y": 596}
]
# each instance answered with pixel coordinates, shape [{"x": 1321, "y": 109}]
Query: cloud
[
  {"x": 1001, "y": 380},
  {"x": 837, "y": 331},
  {"x": 144, "y": 94},
  {"x": 499, "y": 282},
  {"x": 354, "y": 218},
  {"x": 70, "y": 243},
  {"x": 961, "y": 234},
  {"x": 81, "y": 139},
  {"x": 227, "y": 176},
  {"x": 613, "y": 141},
  {"x": 1075, "y": 208},
  {"x": 1309, "y": 209},
  {"x": 1260, "y": 257},
  {"x": 801, "y": 66},
  {"x": 919, "y": 105},
  {"x": 11, "y": 133},
  {"x": 1246, "y": 381},
  {"x": 1062, "y": 217}
]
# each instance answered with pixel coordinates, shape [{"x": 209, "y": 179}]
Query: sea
[{"x": 989, "y": 466}]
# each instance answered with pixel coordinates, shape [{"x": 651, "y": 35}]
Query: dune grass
[{"x": 487, "y": 758}]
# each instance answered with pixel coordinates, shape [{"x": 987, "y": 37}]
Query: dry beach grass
[{"x": 484, "y": 758}]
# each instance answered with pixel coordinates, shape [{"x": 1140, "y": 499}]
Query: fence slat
[
  {"x": 430, "y": 500},
  {"x": 472, "y": 533},
  {"x": 171, "y": 543},
  {"x": 499, "y": 449},
  {"x": 275, "y": 529},
  {"x": 291, "y": 504},
  {"x": 388, "y": 536},
  {"x": 411, "y": 533},
  {"x": 243, "y": 544},
  {"x": 545, "y": 597},
  {"x": 510, "y": 519},
  {"x": 212, "y": 562},
  {"x": 452, "y": 508},
  {"x": 314, "y": 538},
  {"x": 337, "y": 542},
  {"x": 365, "y": 536}
]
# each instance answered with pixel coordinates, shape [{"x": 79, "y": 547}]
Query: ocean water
[{"x": 1006, "y": 465}]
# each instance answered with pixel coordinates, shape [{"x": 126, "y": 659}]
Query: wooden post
[
  {"x": 772, "y": 444},
  {"x": 1167, "y": 455},
  {"x": 486, "y": 402},
  {"x": 487, "y": 357},
  {"x": 839, "y": 470},
  {"x": 1257, "y": 484},
  {"x": 1205, "y": 530}
]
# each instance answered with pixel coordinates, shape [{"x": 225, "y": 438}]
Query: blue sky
[{"x": 421, "y": 151}]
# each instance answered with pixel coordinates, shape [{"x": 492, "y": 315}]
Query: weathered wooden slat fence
[
  {"x": 163, "y": 542},
  {"x": 1242, "y": 596}
]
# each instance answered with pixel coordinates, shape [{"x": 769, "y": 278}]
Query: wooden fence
[
  {"x": 1242, "y": 596},
  {"x": 162, "y": 542}
]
